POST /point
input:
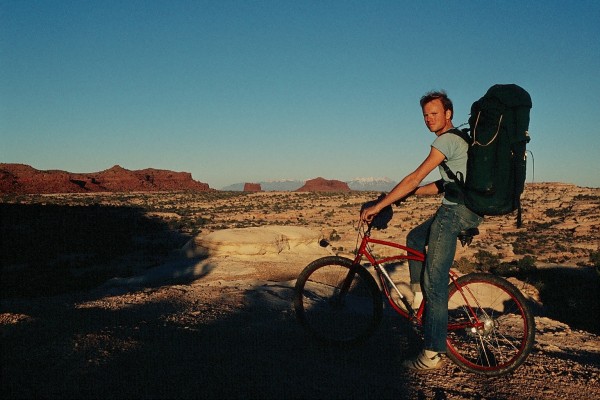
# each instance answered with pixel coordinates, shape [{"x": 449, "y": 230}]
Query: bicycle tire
[
  {"x": 506, "y": 333},
  {"x": 334, "y": 315}
]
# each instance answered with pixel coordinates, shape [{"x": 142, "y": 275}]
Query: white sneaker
[{"x": 426, "y": 361}]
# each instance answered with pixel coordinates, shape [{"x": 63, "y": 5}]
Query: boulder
[{"x": 272, "y": 240}]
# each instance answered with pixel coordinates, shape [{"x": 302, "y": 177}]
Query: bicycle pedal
[{"x": 465, "y": 240}]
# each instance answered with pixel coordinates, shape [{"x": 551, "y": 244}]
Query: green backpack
[{"x": 496, "y": 166}]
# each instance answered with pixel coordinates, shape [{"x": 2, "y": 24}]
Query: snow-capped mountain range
[
  {"x": 363, "y": 184},
  {"x": 372, "y": 184}
]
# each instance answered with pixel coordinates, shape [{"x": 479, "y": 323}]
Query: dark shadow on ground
[
  {"x": 569, "y": 295},
  {"x": 160, "y": 347},
  {"x": 51, "y": 249},
  {"x": 135, "y": 352}
]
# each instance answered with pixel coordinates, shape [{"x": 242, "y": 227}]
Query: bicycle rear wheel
[
  {"x": 491, "y": 330},
  {"x": 337, "y": 302}
]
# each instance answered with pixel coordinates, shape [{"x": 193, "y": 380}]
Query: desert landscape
[{"x": 188, "y": 294}]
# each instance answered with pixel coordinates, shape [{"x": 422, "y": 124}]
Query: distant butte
[
  {"x": 24, "y": 179},
  {"x": 324, "y": 185},
  {"x": 252, "y": 187}
]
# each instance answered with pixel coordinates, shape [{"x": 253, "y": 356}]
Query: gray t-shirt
[{"x": 455, "y": 149}]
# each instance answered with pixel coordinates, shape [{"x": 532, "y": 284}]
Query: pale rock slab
[{"x": 270, "y": 240}]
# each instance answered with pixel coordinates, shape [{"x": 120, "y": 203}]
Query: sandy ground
[
  {"x": 232, "y": 333},
  {"x": 224, "y": 328}
]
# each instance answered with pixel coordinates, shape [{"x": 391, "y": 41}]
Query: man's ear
[{"x": 448, "y": 115}]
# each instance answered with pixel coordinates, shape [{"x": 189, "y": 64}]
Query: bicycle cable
[
  {"x": 363, "y": 229},
  {"x": 360, "y": 234}
]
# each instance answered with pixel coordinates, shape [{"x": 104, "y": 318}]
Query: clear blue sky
[{"x": 247, "y": 91}]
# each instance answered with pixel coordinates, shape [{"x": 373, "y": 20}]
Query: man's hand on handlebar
[
  {"x": 374, "y": 214},
  {"x": 369, "y": 213}
]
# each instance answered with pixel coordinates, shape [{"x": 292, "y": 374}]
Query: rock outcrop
[
  {"x": 324, "y": 185},
  {"x": 24, "y": 179},
  {"x": 252, "y": 187},
  {"x": 270, "y": 240}
]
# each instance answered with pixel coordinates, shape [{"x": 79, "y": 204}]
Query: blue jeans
[{"x": 439, "y": 235}]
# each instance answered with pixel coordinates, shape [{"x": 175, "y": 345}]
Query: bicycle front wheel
[
  {"x": 338, "y": 302},
  {"x": 491, "y": 330}
]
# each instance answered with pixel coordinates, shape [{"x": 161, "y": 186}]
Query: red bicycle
[{"x": 491, "y": 330}]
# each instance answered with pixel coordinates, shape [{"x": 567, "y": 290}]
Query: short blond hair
[{"x": 438, "y": 94}]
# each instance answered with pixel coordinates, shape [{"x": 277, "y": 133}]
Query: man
[{"x": 439, "y": 233}]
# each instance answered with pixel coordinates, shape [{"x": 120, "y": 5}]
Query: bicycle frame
[
  {"x": 386, "y": 281},
  {"x": 339, "y": 301}
]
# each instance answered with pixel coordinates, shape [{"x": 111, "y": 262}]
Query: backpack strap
[
  {"x": 463, "y": 133},
  {"x": 460, "y": 179}
]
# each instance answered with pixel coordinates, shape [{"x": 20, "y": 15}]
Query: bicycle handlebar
[{"x": 380, "y": 220}]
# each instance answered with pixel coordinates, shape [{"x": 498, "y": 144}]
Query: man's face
[{"x": 436, "y": 118}]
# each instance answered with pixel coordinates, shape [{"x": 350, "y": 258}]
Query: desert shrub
[
  {"x": 538, "y": 226},
  {"x": 465, "y": 266},
  {"x": 527, "y": 264},
  {"x": 595, "y": 258},
  {"x": 561, "y": 247},
  {"x": 558, "y": 212},
  {"x": 539, "y": 285},
  {"x": 201, "y": 221},
  {"x": 587, "y": 197},
  {"x": 522, "y": 245},
  {"x": 487, "y": 261},
  {"x": 524, "y": 266}
]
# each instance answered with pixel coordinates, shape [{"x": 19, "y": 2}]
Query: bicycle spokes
[
  {"x": 338, "y": 302},
  {"x": 489, "y": 328}
]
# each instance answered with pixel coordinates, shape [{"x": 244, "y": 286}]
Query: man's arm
[
  {"x": 409, "y": 185},
  {"x": 429, "y": 189}
]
